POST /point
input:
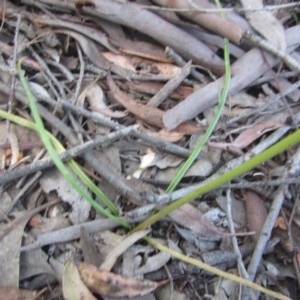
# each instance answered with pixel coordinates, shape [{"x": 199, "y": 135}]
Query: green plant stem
[
  {"x": 279, "y": 147},
  {"x": 47, "y": 141},
  {"x": 214, "y": 270},
  {"x": 222, "y": 100}
]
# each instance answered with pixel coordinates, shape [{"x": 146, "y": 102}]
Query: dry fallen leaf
[
  {"x": 97, "y": 103},
  {"x": 10, "y": 252},
  {"x": 256, "y": 213},
  {"x": 153, "y": 263},
  {"x": 144, "y": 66},
  {"x": 172, "y": 137},
  {"x": 34, "y": 263},
  {"x": 113, "y": 255},
  {"x": 192, "y": 218},
  {"x": 108, "y": 284},
  {"x": 248, "y": 136},
  {"x": 52, "y": 180},
  {"x": 72, "y": 285},
  {"x": 281, "y": 223},
  {"x": 87, "y": 30},
  {"x": 265, "y": 23},
  {"x": 151, "y": 115}
]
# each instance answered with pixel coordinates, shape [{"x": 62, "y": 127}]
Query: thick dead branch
[
  {"x": 245, "y": 70},
  {"x": 134, "y": 16}
]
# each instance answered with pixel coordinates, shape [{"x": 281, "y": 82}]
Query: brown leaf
[
  {"x": 153, "y": 87},
  {"x": 151, "y": 115},
  {"x": 256, "y": 213},
  {"x": 281, "y": 223},
  {"x": 108, "y": 284},
  {"x": 172, "y": 137},
  {"x": 248, "y": 136},
  {"x": 144, "y": 66}
]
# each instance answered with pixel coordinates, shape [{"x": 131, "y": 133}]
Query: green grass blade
[
  {"x": 222, "y": 100},
  {"x": 276, "y": 149},
  {"x": 47, "y": 140}
]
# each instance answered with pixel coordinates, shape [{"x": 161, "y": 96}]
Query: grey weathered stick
[
  {"x": 13, "y": 174},
  {"x": 266, "y": 45},
  {"x": 245, "y": 70},
  {"x": 73, "y": 232}
]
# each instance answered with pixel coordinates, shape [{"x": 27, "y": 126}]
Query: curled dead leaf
[{"x": 108, "y": 284}]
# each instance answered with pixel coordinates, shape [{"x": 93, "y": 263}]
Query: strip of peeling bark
[
  {"x": 244, "y": 71},
  {"x": 212, "y": 21}
]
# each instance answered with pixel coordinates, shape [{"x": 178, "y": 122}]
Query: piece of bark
[
  {"x": 136, "y": 17},
  {"x": 244, "y": 71},
  {"x": 212, "y": 21}
]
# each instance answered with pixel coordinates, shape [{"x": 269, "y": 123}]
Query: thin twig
[
  {"x": 13, "y": 66},
  {"x": 271, "y": 101},
  {"x": 64, "y": 70},
  {"x": 219, "y": 10},
  {"x": 152, "y": 140},
  {"x": 272, "y": 217},
  {"x": 73, "y": 232},
  {"x": 96, "y": 117},
  {"x": 270, "y": 140},
  {"x": 264, "y": 44},
  {"x": 11, "y": 226},
  {"x": 40, "y": 165},
  {"x": 236, "y": 249},
  {"x": 170, "y": 53},
  {"x": 28, "y": 186},
  {"x": 81, "y": 74},
  {"x": 233, "y": 237},
  {"x": 45, "y": 71}
]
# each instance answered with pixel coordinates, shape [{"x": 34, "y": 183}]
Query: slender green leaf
[
  {"x": 222, "y": 100},
  {"x": 49, "y": 141},
  {"x": 279, "y": 147}
]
